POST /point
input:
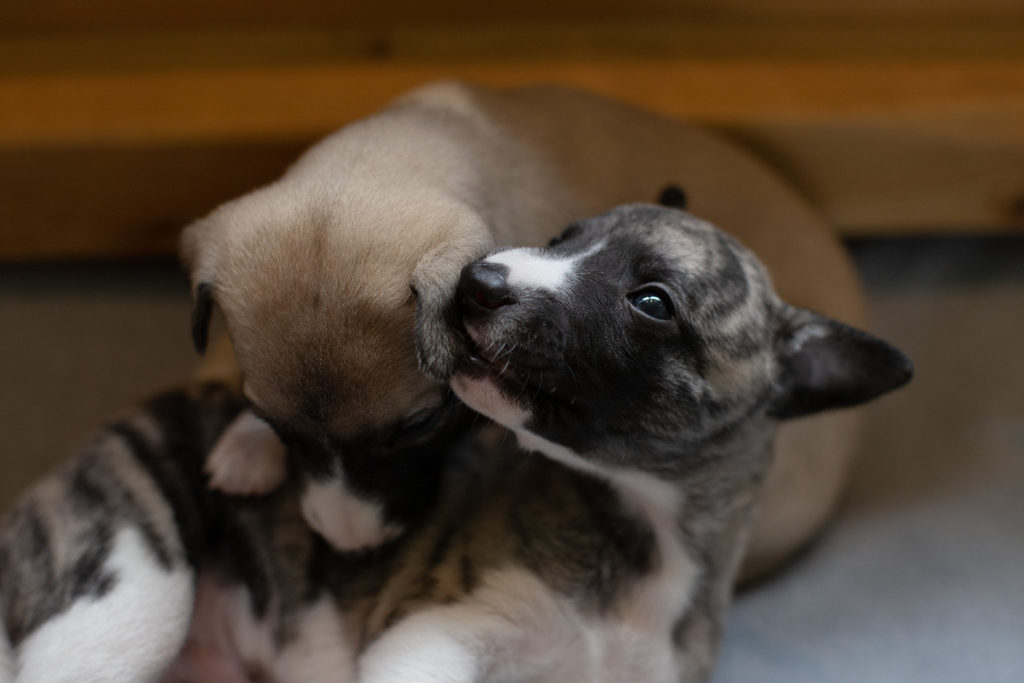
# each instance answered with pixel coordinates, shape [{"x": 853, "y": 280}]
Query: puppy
[
  {"x": 645, "y": 357},
  {"x": 336, "y": 283}
]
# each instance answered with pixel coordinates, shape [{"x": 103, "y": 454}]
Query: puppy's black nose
[{"x": 483, "y": 287}]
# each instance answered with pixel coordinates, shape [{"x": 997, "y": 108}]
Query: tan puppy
[{"x": 336, "y": 284}]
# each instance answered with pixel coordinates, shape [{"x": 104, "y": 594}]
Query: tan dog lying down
[{"x": 336, "y": 284}]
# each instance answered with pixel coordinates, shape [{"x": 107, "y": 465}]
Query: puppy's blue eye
[{"x": 652, "y": 303}]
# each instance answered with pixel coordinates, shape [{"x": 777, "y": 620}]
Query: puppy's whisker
[
  {"x": 505, "y": 436},
  {"x": 540, "y": 384},
  {"x": 568, "y": 367},
  {"x": 525, "y": 385},
  {"x": 499, "y": 353}
]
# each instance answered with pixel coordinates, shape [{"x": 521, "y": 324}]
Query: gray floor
[
  {"x": 920, "y": 579},
  {"x": 922, "y": 576}
]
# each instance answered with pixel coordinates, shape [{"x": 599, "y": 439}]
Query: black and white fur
[{"x": 647, "y": 360}]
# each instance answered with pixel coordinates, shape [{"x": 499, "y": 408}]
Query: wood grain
[
  {"x": 918, "y": 130},
  {"x": 70, "y": 16}
]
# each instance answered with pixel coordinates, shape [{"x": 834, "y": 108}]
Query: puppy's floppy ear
[
  {"x": 825, "y": 364},
  {"x": 202, "y": 311},
  {"x": 439, "y": 339},
  {"x": 198, "y": 255},
  {"x": 673, "y": 196}
]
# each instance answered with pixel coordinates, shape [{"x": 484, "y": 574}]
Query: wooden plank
[
  {"x": 111, "y": 201},
  {"x": 71, "y": 16},
  {"x": 106, "y": 53},
  {"x": 252, "y": 103},
  {"x": 114, "y": 159}
]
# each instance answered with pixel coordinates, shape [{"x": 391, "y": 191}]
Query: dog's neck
[
  {"x": 699, "y": 517},
  {"x": 725, "y": 467}
]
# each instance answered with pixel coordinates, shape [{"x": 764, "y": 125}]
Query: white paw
[
  {"x": 346, "y": 521},
  {"x": 248, "y": 459},
  {"x": 424, "y": 648}
]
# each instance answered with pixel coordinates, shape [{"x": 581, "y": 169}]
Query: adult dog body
[{"x": 313, "y": 274}]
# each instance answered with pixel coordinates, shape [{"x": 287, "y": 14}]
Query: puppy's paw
[
  {"x": 440, "y": 342},
  {"x": 347, "y": 521},
  {"x": 439, "y": 347},
  {"x": 248, "y": 459}
]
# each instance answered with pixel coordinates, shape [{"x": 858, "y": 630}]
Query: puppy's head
[
  {"x": 321, "y": 291},
  {"x": 646, "y": 332}
]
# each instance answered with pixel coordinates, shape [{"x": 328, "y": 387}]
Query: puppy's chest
[
  {"x": 628, "y": 633},
  {"x": 635, "y": 638}
]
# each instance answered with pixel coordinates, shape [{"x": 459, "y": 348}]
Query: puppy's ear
[
  {"x": 440, "y": 343},
  {"x": 825, "y": 364},
  {"x": 198, "y": 256},
  {"x": 202, "y": 311},
  {"x": 673, "y": 196}
]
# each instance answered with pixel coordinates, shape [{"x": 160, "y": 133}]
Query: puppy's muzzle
[
  {"x": 517, "y": 336},
  {"x": 483, "y": 288}
]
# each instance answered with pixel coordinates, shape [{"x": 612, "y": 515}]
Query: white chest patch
[
  {"x": 345, "y": 520},
  {"x": 633, "y": 643}
]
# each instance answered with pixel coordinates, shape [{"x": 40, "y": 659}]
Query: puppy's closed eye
[{"x": 418, "y": 426}]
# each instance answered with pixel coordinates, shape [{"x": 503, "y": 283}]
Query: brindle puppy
[{"x": 645, "y": 357}]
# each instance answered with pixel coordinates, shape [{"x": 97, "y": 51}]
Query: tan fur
[{"x": 313, "y": 272}]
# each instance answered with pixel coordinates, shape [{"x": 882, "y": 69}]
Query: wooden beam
[
  {"x": 74, "y": 16},
  {"x": 255, "y": 103},
  {"x": 114, "y": 201},
  {"x": 112, "y": 159},
  {"x": 923, "y": 40}
]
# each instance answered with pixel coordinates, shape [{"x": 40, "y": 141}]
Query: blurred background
[{"x": 902, "y": 121}]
